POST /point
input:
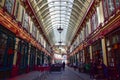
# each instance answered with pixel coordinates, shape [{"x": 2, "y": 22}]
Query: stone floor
[{"x": 67, "y": 74}]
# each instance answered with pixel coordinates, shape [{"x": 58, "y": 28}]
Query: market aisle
[{"x": 68, "y": 74}]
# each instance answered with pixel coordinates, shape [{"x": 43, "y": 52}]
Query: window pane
[
  {"x": 105, "y": 9},
  {"x": 34, "y": 31},
  {"x": 11, "y": 44},
  {"x": 3, "y": 41},
  {"x": 17, "y": 9},
  {"x": 25, "y": 23},
  {"x": 117, "y": 3},
  {"x": 9, "y": 5},
  {"x": 111, "y": 7}
]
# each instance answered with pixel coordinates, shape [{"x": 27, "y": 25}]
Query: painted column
[
  {"x": 28, "y": 67},
  {"x": 90, "y": 52},
  {"x": 15, "y": 66},
  {"x": 104, "y": 50}
]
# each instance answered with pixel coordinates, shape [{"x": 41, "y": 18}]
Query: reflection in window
[
  {"x": 110, "y": 6},
  {"x": 3, "y": 41},
  {"x": 24, "y": 52},
  {"x": 9, "y": 5},
  {"x": 32, "y": 56},
  {"x": 23, "y": 55},
  {"x": 117, "y": 3},
  {"x": 11, "y": 44},
  {"x": 25, "y": 22},
  {"x": 94, "y": 21},
  {"x": 34, "y": 30},
  {"x": 105, "y": 9}
]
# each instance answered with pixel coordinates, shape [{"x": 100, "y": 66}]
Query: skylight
[{"x": 60, "y": 11}]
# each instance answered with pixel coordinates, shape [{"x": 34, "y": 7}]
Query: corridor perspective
[{"x": 59, "y": 39}]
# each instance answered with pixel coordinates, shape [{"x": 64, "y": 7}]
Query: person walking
[
  {"x": 63, "y": 65},
  {"x": 105, "y": 70}
]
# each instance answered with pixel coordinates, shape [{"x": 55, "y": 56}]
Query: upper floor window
[
  {"x": 105, "y": 9},
  {"x": 39, "y": 37},
  {"x": 94, "y": 21},
  {"x": 109, "y": 7},
  {"x": 17, "y": 9},
  {"x": 117, "y": 3},
  {"x": 3, "y": 44},
  {"x": 34, "y": 31},
  {"x": 9, "y": 5},
  {"x": 25, "y": 21}
]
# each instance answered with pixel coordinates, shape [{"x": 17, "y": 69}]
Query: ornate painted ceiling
[{"x": 65, "y": 14}]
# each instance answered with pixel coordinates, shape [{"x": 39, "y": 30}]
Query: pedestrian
[
  {"x": 93, "y": 70},
  {"x": 63, "y": 65},
  {"x": 105, "y": 70}
]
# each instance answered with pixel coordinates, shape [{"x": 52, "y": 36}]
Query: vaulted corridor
[{"x": 38, "y": 38}]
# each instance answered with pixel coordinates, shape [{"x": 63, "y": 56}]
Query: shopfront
[
  {"x": 32, "y": 58},
  {"x": 113, "y": 51},
  {"x": 97, "y": 51},
  {"x": 87, "y": 54},
  {"x": 7, "y": 44},
  {"x": 22, "y": 56}
]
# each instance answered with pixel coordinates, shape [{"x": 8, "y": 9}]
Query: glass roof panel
[{"x": 66, "y": 14}]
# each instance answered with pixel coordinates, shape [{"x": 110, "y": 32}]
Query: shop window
[
  {"x": 97, "y": 51},
  {"x": 113, "y": 49},
  {"x": 3, "y": 42},
  {"x": 87, "y": 54},
  {"x": 32, "y": 56},
  {"x": 10, "y": 51},
  {"x": 108, "y": 42},
  {"x": 9, "y": 5},
  {"x": 23, "y": 54},
  {"x": 115, "y": 39},
  {"x": 81, "y": 56}
]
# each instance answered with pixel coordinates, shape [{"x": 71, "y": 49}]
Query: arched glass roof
[{"x": 66, "y": 14}]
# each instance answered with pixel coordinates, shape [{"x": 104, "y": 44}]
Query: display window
[
  {"x": 113, "y": 52},
  {"x": 3, "y": 44},
  {"x": 22, "y": 54},
  {"x": 113, "y": 48},
  {"x": 97, "y": 51},
  {"x": 32, "y": 57},
  {"x": 87, "y": 54}
]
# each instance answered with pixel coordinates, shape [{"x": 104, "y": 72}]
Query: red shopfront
[
  {"x": 97, "y": 51},
  {"x": 113, "y": 52}
]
